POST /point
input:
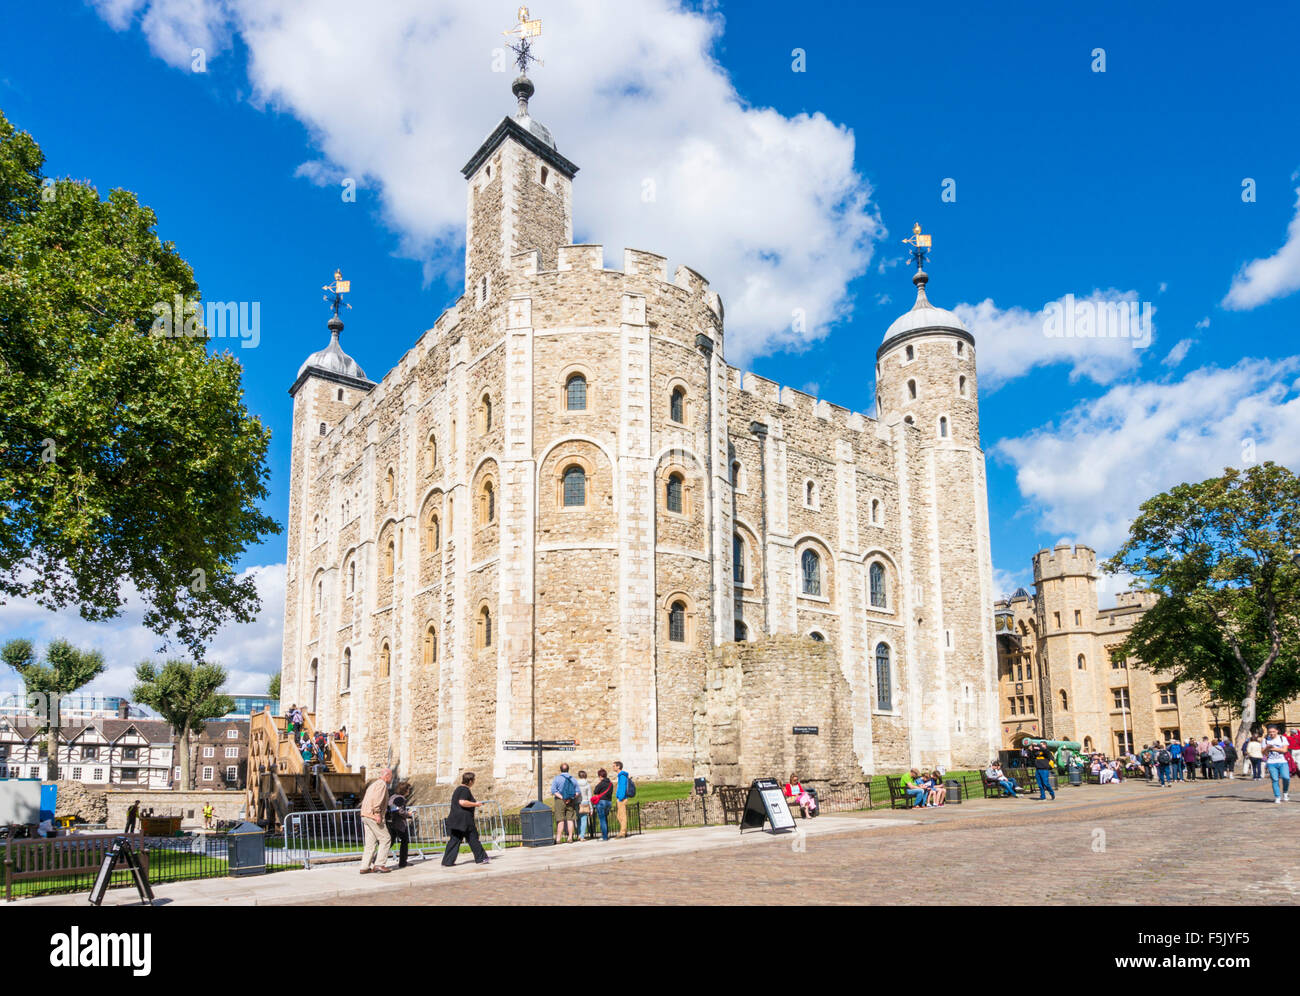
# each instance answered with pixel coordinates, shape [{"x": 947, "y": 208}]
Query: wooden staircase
[{"x": 280, "y": 782}]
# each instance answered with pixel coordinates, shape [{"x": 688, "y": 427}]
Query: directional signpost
[{"x": 539, "y": 746}]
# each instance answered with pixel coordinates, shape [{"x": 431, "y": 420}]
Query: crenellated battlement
[{"x": 1065, "y": 561}]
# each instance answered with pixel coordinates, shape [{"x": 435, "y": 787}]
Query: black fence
[{"x": 514, "y": 835}]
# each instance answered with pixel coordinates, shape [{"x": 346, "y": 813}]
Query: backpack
[
  {"x": 570, "y": 790},
  {"x": 1165, "y": 757},
  {"x": 631, "y": 788}
]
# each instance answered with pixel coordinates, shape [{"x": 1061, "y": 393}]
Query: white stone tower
[{"x": 926, "y": 395}]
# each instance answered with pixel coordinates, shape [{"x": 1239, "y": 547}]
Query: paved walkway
[{"x": 1131, "y": 843}]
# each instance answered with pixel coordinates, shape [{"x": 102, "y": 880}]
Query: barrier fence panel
[{"x": 324, "y": 834}]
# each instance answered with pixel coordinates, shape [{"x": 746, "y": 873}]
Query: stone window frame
[
  {"x": 484, "y": 632},
  {"x": 739, "y": 556},
  {"x": 317, "y": 592},
  {"x": 430, "y": 460},
  {"x": 960, "y": 348},
  {"x": 1081, "y": 662},
  {"x": 824, "y": 575},
  {"x": 739, "y": 480},
  {"x": 562, "y": 465},
  {"x": 744, "y": 637},
  {"x": 908, "y": 355},
  {"x": 688, "y": 489},
  {"x": 482, "y": 290},
  {"x": 350, "y": 573},
  {"x": 817, "y": 636},
  {"x": 689, "y": 620},
  {"x": 345, "y": 671},
  {"x": 385, "y": 660},
  {"x": 390, "y": 559},
  {"x": 877, "y": 508},
  {"x": 676, "y": 384},
  {"x": 811, "y": 495},
  {"x": 566, "y": 375},
  {"x": 429, "y": 645},
  {"x": 943, "y": 427},
  {"x": 891, "y": 663},
  {"x": 483, "y": 414},
  {"x": 749, "y": 538},
  {"x": 390, "y": 483},
  {"x": 873, "y": 561},
  {"x": 1065, "y": 701},
  {"x": 486, "y": 500},
  {"x": 961, "y": 385},
  {"x": 913, "y": 391}
]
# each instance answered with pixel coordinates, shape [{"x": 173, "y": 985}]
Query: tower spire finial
[
  {"x": 524, "y": 30},
  {"x": 338, "y": 287},
  {"x": 920, "y": 243}
]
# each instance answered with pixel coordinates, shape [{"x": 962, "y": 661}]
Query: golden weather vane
[
  {"x": 921, "y": 244},
  {"x": 524, "y": 30},
  {"x": 338, "y": 288}
]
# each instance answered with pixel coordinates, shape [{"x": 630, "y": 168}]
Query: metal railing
[{"x": 333, "y": 834}]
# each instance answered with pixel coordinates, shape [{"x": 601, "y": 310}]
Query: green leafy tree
[
  {"x": 127, "y": 459},
  {"x": 273, "y": 687},
  {"x": 64, "y": 670},
  {"x": 187, "y": 695},
  {"x": 1220, "y": 555}
]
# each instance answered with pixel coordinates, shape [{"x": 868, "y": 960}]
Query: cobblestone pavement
[{"x": 1216, "y": 842}]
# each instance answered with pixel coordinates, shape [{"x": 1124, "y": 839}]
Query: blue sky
[{"x": 787, "y": 189}]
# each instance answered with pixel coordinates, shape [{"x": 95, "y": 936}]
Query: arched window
[
  {"x": 575, "y": 393},
  {"x": 911, "y": 354},
  {"x": 1065, "y": 701},
  {"x": 817, "y": 637},
  {"x": 677, "y": 406},
  {"x": 315, "y": 530},
  {"x": 484, "y": 628},
  {"x": 432, "y": 534},
  {"x": 352, "y": 576},
  {"x": 322, "y": 428},
  {"x": 575, "y": 487},
  {"x": 673, "y": 493},
  {"x": 431, "y": 453},
  {"x": 911, "y": 389},
  {"x": 1083, "y": 663},
  {"x": 961, "y": 384},
  {"x": 810, "y": 494},
  {"x": 812, "y": 573},
  {"x": 742, "y": 632},
  {"x": 385, "y": 661},
  {"x": 485, "y": 414},
  {"x": 390, "y": 484},
  {"x": 347, "y": 667},
  {"x": 875, "y": 511},
  {"x": 340, "y": 394},
  {"x": 677, "y": 622},
  {"x": 451, "y": 503},
  {"x": 738, "y": 558},
  {"x": 488, "y": 503},
  {"x": 430, "y": 645},
  {"x": 320, "y": 595},
  {"x": 943, "y": 426},
  {"x": 877, "y": 573},
  {"x": 388, "y": 560},
  {"x": 884, "y": 691},
  {"x": 961, "y": 348}
]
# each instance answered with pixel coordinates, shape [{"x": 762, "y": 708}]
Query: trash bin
[
  {"x": 246, "y": 850},
  {"x": 954, "y": 790},
  {"x": 1076, "y": 775},
  {"x": 536, "y": 828}
]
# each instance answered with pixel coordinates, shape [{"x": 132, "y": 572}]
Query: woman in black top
[
  {"x": 600, "y": 796},
  {"x": 460, "y": 824}
]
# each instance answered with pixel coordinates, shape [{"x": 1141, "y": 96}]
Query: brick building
[
  {"x": 219, "y": 758},
  {"x": 562, "y": 506}
]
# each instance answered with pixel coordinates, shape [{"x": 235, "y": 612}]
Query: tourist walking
[
  {"x": 1164, "y": 759},
  {"x": 132, "y": 814},
  {"x": 374, "y": 826},
  {"x": 624, "y": 789},
  {"x": 564, "y": 797},
  {"x": 1203, "y": 752},
  {"x": 1254, "y": 751},
  {"x": 461, "y": 827},
  {"x": 399, "y": 822},
  {"x": 1176, "y": 764},
  {"x": 1276, "y": 750},
  {"x": 1230, "y": 757},
  {"x": 584, "y": 804},
  {"x": 1043, "y": 772},
  {"x": 600, "y": 801}
]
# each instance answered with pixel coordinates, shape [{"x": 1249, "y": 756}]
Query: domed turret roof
[
  {"x": 332, "y": 359},
  {"x": 1019, "y": 593},
  {"x": 924, "y": 315}
]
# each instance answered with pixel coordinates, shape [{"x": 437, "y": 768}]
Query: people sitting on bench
[
  {"x": 994, "y": 774},
  {"x": 797, "y": 795},
  {"x": 911, "y": 784}
]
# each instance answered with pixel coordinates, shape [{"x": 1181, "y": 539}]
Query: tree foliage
[
  {"x": 64, "y": 670},
  {"x": 127, "y": 460},
  {"x": 187, "y": 695},
  {"x": 1219, "y": 554}
]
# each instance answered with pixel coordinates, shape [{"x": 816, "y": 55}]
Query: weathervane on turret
[
  {"x": 921, "y": 247},
  {"x": 338, "y": 288},
  {"x": 525, "y": 29}
]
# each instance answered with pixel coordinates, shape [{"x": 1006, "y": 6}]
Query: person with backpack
[
  {"x": 1230, "y": 757},
  {"x": 1217, "y": 758},
  {"x": 1043, "y": 771},
  {"x": 1190, "y": 758},
  {"x": 1176, "y": 765},
  {"x": 1165, "y": 760},
  {"x": 624, "y": 789},
  {"x": 1276, "y": 751},
  {"x": 564, "y": 796}
]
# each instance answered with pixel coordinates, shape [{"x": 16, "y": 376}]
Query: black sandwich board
[
  {"x": 121, "y": 849},
  {"x": 766, "y": 804}
]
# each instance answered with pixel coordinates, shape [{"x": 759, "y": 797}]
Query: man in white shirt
[{"x": 1276, "y": 749}]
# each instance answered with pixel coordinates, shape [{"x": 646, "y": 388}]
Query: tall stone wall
[{"x": 755, "y": 694}]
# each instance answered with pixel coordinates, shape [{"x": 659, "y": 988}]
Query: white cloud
[
  {"x": 1005, "y": 582},
  {"x": 1262, "y": 280},
  {"x": 1204, "y": 323},
  {"x": 399, "y": 94},
  {"x": 1014, "y": 341},
  {"x": 1088, "y": 474},
  {"x": 1176, "y": 355},
  {"x": 250, "y": 652}
]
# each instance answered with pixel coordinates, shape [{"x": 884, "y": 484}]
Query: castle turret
[{"x": 1066, "y": 581}]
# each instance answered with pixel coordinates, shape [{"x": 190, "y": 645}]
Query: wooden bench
[
  {"x": 897, "y": 794},
  {"x": 992, "y": 789}
]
